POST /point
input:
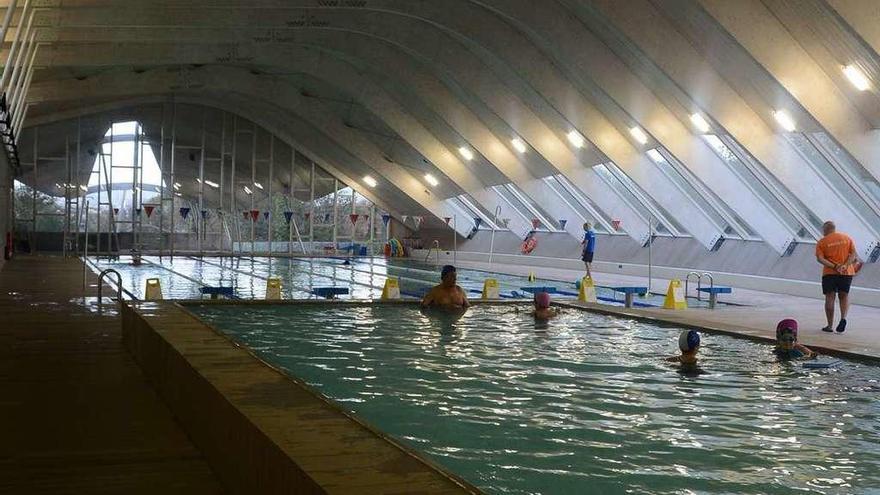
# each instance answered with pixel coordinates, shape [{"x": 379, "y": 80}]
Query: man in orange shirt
[{"x": 836, "y": 252}]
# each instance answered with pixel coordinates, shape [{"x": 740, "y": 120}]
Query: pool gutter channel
[{"x": 148, "y": 348}]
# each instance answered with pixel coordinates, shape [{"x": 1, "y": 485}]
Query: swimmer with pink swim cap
[
  {"x": 543, "y": 311},
  {"x": 787, "y": 346}
]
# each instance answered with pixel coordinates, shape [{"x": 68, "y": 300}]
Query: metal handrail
[
  {"x": 711, "y": 281},
  {"x": 687, "y": 282},
  {"x": 101, "y": 285},
  {"x": 434, "y": 245}
]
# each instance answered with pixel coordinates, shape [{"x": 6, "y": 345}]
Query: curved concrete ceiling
[{"x": 394, "y": 88}]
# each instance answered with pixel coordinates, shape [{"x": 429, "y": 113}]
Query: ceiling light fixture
[
  {"x": 258, "y": 185},
  {"x": 639, "y": 135},
  {"x": 212, "y": 183},
  {"x": 430, "y": 179},
  {"x": 575, "y": 138},
  {"x": 857, "y": 77},
  {"x": 466, "y": 153},
  {"x": 368, "y": 180},
  {"x": 247, "y": 190},
  {"x": 784, "y": 120},
  {"x": 518, "y": 145},
  {"x": 700, "y": 123}
]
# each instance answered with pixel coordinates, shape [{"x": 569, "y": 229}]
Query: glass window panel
[
  {"x": 845, "y": 190},
  {"x": 625, "y": 187},
  {"x": 531, "y": 207},
  {"x": 583, "y": 206},
  {"x": 868, "y": 182},
  {"x": 759, "y": 180},
  {"x": 705, "y": 200},
  {"x": 472, "y": 209}
]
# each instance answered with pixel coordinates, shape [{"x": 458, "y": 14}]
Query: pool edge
[{"x": 266, "y": 432}]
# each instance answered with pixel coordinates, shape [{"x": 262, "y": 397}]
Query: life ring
[{"x": 529, "y": 245}]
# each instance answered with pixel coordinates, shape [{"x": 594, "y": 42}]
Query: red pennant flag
[
  {"x": 308, "y": 214},
  {"x": 149, "y": 210},
  {"x": 615, "y": 224},
  {"x": 255, "y": 214},
  {"x": 535, "y": 223},
  {"x": 354, "y": 218}
]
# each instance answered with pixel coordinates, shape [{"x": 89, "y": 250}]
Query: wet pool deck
[
  {"x": 757, "y": 318},
  {"x": 77, "y": 414}
]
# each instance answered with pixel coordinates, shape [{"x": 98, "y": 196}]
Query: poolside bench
[
  {"x": 329, "y": 292},
  {"x": 215, "y": 292},
  {"x": 713, "y": 293},
  {"x": 629, "y": 292}
]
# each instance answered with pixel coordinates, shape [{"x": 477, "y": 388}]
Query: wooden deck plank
[{"x": 76, "y": 413}]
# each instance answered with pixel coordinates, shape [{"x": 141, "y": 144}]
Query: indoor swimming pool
[
  {"x": 582, "y": 404},
  {"x": 181, "y": 278}
]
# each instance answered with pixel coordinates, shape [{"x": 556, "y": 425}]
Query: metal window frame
[
  {"x": 530, "y": 205},
  {"x": 646, "y": 203},
  {"x": 771, "y": 183},
  {"x": 556, "y": 182}
]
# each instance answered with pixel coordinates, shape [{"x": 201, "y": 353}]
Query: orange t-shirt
[{"x": 836, "y": 248}]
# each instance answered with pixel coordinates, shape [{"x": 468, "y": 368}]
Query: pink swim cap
[
  {"x": 787, "y": 325},
  {"x": 542, "y": 300}
]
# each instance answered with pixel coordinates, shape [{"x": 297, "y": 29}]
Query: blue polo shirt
[{"x": 589, "y": 241}]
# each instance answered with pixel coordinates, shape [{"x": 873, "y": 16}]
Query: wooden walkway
[{"x": 76, "y": 413}]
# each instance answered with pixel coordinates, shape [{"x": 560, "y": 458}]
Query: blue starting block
[
  {"x": 535, "y": 289},
  {"x": 629, "y": 292},
  {"x": 215, "y": 292},
  {"x": 713, "y": 293},
  {"x": 329, "y": 292}
]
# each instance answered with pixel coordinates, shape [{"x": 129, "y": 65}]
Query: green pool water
[{"x": 584, "y": 404}]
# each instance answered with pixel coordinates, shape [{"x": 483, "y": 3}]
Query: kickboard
[{"x": 822, "y": 364}]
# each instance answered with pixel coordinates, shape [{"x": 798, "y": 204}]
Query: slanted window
[
  {"x": 526, "y": 207},
  {"x": 638, "y": 199},
  {"x": 586, "y": 209}
]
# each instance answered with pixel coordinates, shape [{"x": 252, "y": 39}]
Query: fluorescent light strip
[
  {"x": 368, "y": 180},
  {"x": 857, "y": 77},
  {"x": 700, "y": 123},
  {"x": 575, "y": 138},
  {"x": 784, "y": 120},
  {"x": 466, "y": 153},
  {"x": 639, "y": 135},
  {"x": 430, "y": 179},
  {"x": 518, "y": 145}
]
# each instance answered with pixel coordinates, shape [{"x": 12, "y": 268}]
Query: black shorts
[
  {"x": 587, "y": 256},
  {"x": 836, "y": 283}
]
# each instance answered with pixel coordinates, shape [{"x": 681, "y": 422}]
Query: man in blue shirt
[{"x": 589, "y": 243}]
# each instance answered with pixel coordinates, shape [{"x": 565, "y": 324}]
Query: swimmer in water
[
  {"x": 787, "y": 346},
  {"x": 543, "y": 311},
  {"x": 689, "y": 343},
  {"x": 447, "y": 295}
]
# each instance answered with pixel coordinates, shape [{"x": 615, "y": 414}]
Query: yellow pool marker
[
  {"x": 391, "y": 289},
  {"x": 153, "y": 292},
  {"x": 587, "y": 291},
  {"x": 675, "y": 296},
  {"x": 490, "y": 289},
  {"x": 532, "y": 277},
  {"x": 273, "y": 288}
]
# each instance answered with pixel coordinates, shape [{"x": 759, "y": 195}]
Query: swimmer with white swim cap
[{"x": 689, "y": 343}]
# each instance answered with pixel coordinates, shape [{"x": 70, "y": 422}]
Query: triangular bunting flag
[
  {"x": 447, "y": 219},
  {"x": 255, "y": 214},
  {"x": 354, "y": 218},
  {"x": 184, "y": 212},
  {"x": 616, "y": 225},
  {"x": 204, "y": 214},
  {"x": 288, "y": 215},
  {"x": 326, "y": 218},
  {"x": 149, "y": 210},
  {"x": 386, "y": 218},
  {"x": 562, "y": 223},
  {"x": 307, "y": 215},
  {"x": 366, "y": 218},
  {"x": 115, "y": 211},
  {"x": 404, "y": 218},
  {"x": 477, "y": 222},
  {"x": 245, "y": 214},
  {"x": 418, "y": 221},
  {"x": 535, "y": 223},
  {"x": 266, "y": 215}
]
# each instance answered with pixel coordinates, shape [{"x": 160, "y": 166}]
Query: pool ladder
[
  {"x": 101, "y": 276},
  {"x": 699, "y": 278},
  {"x": 435, "y": 246}
]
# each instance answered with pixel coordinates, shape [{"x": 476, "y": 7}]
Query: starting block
[
  {"x": 675, "y": 296},
  {"x": 490, "y": 289},
  {"x": 587, "y": 290},
  {"x": 713, "y": 293},
  {"x": 628, "y": 293},
  {"x": 215, "y": 292},
  {"x": 153, "y": 291},
  {"x": 273, "y": 288},
  {"x": 391, "y": 290},
  {"x": 329, "y": 292}
]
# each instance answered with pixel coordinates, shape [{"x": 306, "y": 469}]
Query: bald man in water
[
  {"x": 447, "y": 295},
  {"x": 836, "y": 252}
]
